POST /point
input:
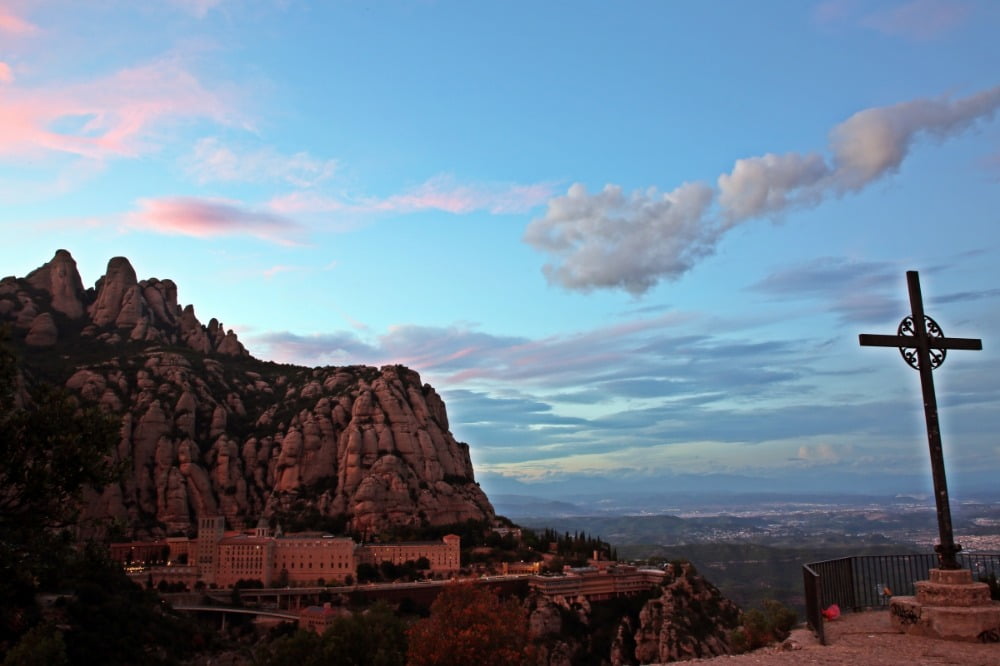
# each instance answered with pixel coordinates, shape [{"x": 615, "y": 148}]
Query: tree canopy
[
  {"x": 51, "y": 449},
  {"x": 371, "y": 638},
  {"x": 470, "y": 625}
]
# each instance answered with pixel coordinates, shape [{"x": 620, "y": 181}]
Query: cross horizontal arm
[{"x": 874, "y": 340}]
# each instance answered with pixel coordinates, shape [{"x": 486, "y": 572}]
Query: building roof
[{"x": 245, "y": 540}]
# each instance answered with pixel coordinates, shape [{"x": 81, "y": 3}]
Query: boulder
[{"x": 43, "y": 331}]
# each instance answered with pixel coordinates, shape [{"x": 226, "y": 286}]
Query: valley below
[{"x": 753, "y": 546}]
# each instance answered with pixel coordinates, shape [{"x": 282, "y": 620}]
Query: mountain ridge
[{"x": 207, "y": 428}]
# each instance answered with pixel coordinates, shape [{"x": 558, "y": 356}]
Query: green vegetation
[
  {"x": 375, "y": 637},
  {"x": 299, "y": 514},
  {"x": 574, "y": 549},
  {"x": 386, "y": 571},
  {"x": 764, "y": 626},
  {"x": 51, "y": 451},
  {"x": 42, "y": 645},
  {"x": 750, "y": 573},
  {"x": 605, "y": 616}
]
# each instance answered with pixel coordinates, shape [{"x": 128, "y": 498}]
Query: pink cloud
[
  {"x": 115, "y": 116},
  {"x": 203, "y": 218},
  {"x": 6, "y": 73},
  {"x": 15, "y": 24}
]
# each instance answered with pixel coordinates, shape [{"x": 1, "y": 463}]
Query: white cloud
[
  {"x": 611, "y": 239},
  {"x": 874, "y": 142},
  {"x": 819, "y": 453},
  {"x": 770, "y": 184}
]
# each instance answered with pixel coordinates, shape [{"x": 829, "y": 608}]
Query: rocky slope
[
  {"x": 208, "y": 429},
  {"x": 688, "y": 619}
]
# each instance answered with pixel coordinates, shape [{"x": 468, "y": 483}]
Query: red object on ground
[{"x": 832, "y": 612}]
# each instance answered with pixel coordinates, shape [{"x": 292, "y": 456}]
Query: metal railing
[
  {"x": 811, "y": 583},
  {"x": 869, "y": 581}
]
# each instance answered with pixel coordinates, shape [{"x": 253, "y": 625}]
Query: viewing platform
[{"x": 923, "y": 600}]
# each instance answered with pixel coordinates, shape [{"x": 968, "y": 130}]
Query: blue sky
[{"x": 625, "y": 241}]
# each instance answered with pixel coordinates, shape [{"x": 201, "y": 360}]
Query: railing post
[{"x": 814, "y": 602}]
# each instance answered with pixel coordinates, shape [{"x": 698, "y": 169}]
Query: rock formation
[
  {"x": 690, "y": 620},
  {"x": 687, "y": 619},
  {"x": 206, "y": 428}
]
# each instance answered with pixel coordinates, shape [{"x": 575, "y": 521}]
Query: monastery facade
[{"x": 220, "y": 558}]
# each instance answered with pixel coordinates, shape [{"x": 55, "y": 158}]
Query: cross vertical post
[
  {"x": 947, "y": 547},
  {"x": 923, "y": 346}
]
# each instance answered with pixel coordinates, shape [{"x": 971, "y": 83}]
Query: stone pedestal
[{"x": 950, "y": 606}]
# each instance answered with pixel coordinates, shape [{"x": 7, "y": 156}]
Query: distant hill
[{"x": 526, "y": 505}]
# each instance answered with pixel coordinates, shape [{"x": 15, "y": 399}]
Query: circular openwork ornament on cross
[{"x": 907, "y": 328}]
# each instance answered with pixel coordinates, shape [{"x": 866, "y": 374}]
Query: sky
[{"x": 632, "y": 244}]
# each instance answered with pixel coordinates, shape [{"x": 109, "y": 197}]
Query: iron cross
[{"x": 923, "y": 346}]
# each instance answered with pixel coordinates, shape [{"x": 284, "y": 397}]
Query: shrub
[
  {"x": 764, "y": 626},
  {"x": 470, "y": 625}
]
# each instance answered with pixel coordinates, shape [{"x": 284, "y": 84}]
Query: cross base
[
  {"x": 946, "y": 555},
  {"x": 949, "y": 606}
]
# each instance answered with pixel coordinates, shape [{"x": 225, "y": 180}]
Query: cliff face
[
  {"x": 688, "y": 619},
  {"x": 207, "y": 429}
]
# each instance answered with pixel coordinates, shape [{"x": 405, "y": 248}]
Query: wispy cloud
[
  {"x": 857, "y": 291},
  {"x": 6, "y": 73},
  {"x": 442, "y": 193},
  {"x": 198, "y": 8},
  {"x": 636, "y": 359},
  {"x": 202, "y": 218},
  {"x": 612, "y": 240},
  {"x": 963, "y": 296},
  {"x": 212, "y": 161},
  {"x": 15, "y": 25},
  {"x": 674, "y": 381},
  {"x": 917, "y": 20},
  {"x": 281, "y": 268},
  {"x": 110, "y": 117},
  {"x": 320, "y": 349}
]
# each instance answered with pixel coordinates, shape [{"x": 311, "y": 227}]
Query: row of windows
[{"x": 309, "y": 565}]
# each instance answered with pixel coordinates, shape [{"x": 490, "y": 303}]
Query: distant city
[{"x": 685, "y": 518}]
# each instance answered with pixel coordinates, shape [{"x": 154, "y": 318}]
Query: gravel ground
[{"x": 860, "y": 639}]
